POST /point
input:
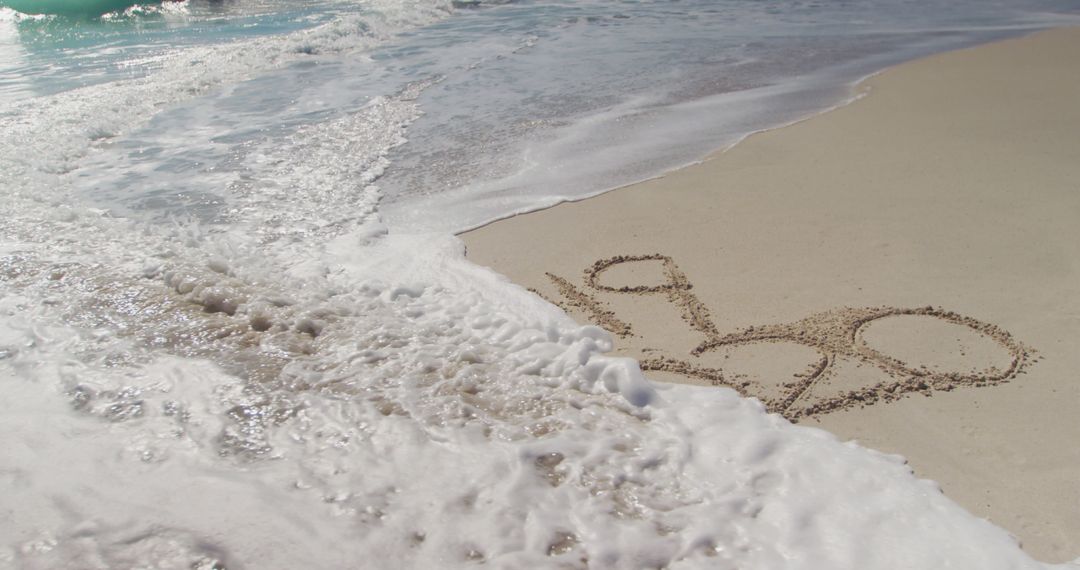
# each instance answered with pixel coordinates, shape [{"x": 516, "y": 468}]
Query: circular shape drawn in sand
[
  {"x": 650, "y": 273},
  {"x": 774, "y": 368},
  {"x": 937, "y": 345}
]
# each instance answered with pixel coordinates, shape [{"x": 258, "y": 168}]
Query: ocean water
[{"x": 237, "y": 331}]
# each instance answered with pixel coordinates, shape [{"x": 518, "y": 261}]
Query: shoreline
[
  {"x": 903, "y": 220},
  {"x": 856, "y": 90}
]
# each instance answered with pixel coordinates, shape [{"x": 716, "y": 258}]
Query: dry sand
[{"x": 902, "y": 271}]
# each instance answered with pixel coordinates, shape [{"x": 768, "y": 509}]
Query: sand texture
[{"x": 903, "y": 271}]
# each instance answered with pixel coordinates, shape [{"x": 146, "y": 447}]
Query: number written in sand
[{"x": 834, "y": 335}]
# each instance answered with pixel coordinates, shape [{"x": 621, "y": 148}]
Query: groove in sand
[{"x": 834, "y": 333}]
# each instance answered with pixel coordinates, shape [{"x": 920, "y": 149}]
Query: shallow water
[{"x": 236, "y": 329}]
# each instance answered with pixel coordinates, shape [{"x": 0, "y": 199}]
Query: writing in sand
[{"x": 835, "y": 335}]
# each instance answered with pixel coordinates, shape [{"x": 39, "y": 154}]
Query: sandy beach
[{"x": 901, "y": 271}]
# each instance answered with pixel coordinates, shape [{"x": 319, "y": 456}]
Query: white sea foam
[
  {"x": 401, "y": 408},
  {"x": 301, "y": 384},
  {"x": 440, "y": 422}
]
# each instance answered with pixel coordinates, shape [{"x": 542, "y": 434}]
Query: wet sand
[{"x": 903, "y": 271}]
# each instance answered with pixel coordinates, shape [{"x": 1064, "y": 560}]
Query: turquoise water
[{"x": 610, "y": 92}]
